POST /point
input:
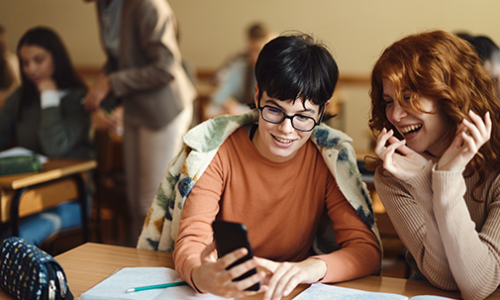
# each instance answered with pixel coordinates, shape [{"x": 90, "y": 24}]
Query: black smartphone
[{"x": 230, "y": 236}]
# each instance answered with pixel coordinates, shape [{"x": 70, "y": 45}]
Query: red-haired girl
[{"x": 436, "y": 117}]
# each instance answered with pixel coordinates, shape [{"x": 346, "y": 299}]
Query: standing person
[
  {"x": 46, "y": 115},
  {"x": 9, "y": 68},
  {"x": 277, "y": 170},
  {"x": 144, "y": 69},
  {"x": 437, "y": 120},
  {"x": 236, "y": 79}
]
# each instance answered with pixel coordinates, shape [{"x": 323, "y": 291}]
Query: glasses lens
[
  {"x": 301, "y": 122},
  {"x": 273, "y": 115}
]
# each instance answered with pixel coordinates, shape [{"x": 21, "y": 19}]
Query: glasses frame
[{"x": 285, "y": 116}]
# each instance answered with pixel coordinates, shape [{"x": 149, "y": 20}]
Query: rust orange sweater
[{"x": 280, "y": 204}]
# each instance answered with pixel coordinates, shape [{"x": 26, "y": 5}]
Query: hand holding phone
[{"x": 230, "y": 236}]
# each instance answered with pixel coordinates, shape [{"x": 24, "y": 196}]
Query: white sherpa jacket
[{"x": 200, "y": 146}]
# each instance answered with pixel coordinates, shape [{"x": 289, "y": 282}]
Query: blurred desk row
[{"x": 60, "y": 180}]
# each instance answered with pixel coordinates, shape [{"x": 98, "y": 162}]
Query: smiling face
[
  {"x": 37, "y": 63},
  {"x": 281, "y": 142},
  {"x": 424, "y": 132}
]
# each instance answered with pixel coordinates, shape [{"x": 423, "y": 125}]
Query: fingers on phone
[
  {"x": 382, "y": 140},
  {"x": 232, "y": 257},
  {"x": 241, "y": 269},
  {"x": 244, "y": 284}
]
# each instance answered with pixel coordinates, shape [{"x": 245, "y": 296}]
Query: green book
[{"x": 20, "y": 164}]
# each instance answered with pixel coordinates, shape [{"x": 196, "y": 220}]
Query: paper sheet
[
  {"x": 319, "y": 291},
  {"x": 114, "y": 287}
]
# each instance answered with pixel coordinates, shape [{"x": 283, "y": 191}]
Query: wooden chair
[{"x": 111, "y": 186}]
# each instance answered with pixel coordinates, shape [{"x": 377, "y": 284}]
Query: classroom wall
[{"x": 356, "y": 31}]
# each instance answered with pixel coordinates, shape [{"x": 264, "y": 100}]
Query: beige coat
[{"x": 150, "y": 78}]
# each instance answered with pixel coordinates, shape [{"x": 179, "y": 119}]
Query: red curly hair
[{"x": 438, "y": 65}]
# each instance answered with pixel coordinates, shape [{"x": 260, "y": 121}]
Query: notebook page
[
  {"x": 114, "y": 287},
  {"x": 185, "y": 292},
  {"x": 320, "y": 291}
]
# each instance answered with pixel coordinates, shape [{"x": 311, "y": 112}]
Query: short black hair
[{"x": 296, "y": 67}]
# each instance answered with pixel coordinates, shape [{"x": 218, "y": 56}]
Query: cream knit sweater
[{"x": 454, "y": 240}]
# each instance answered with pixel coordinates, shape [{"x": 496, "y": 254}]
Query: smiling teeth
[
  {"x": 282, "y": 140},
  {"x": 411, "y": 128}
]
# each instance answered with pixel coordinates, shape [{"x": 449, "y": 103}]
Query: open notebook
[
  {"x": 114, "y": 287},
  {"x": 319, "y": 291}
]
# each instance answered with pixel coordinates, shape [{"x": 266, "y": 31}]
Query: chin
[
  {"x": 283, "y": 155},
  {"x": 416, "y": 147}
]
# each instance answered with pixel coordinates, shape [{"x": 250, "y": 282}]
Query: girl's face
[
  {"x": 37, "y": 63},
  {"x": 281, "y": 142},
  {"x": 424, "y": 132}
]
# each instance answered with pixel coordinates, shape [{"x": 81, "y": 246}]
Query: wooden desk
[
  {"x": 60, "y": 180},
  {"x": 88, "y": 264}
]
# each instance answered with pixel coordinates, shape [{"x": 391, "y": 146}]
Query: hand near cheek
[
  {"x": 212, "y": 277},
  {"x": 403, "y": 165},
  {"x": 46, "y": 85},
  {"x": 468, "y": 140}
]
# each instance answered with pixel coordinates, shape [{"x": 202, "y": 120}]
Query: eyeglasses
[{"x": 300, "y": 122}]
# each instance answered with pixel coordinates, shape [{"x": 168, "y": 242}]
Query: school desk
[
  {"x": 60, "y": 180},
  {"x": 88, "y": 264}
]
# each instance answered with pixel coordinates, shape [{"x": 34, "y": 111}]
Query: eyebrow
[{"x": 272, "y": 101}]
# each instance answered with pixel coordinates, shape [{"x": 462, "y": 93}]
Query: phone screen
[{"x": 230, "y": 236}]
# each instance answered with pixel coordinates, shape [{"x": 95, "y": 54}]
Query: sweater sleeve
[
  {"x": 409, "y": 206},
  {"x": 430, "y": 257},
  {"x": 359, "y": 254},
  {"x": 64, "y": 127},
  {"x": 195, "y": 228},
  {"x": 473, "y": 257}
]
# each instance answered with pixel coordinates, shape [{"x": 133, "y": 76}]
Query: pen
[{"x": 156, "y": 286}]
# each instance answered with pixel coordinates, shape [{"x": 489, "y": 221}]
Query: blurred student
[
  {"x": 46, "y": 115},
  {"x": 277, "y": 170},
  {"x": 10, "y": 77},
  {"x": 438, "y": 173},
  {"x": 489, "y": 53},
  {"x": 144, "y": 71},
  {"x": 236, "y": 79}
]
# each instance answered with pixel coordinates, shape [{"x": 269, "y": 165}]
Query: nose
[
  {"x": 286, "y": 125},
  {"x": 397, "y": 112},
  {"x": 29, "y": 68}
]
